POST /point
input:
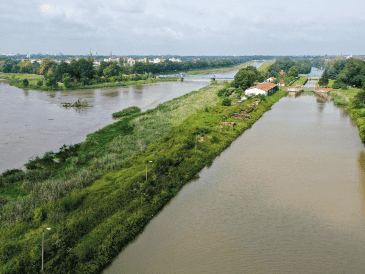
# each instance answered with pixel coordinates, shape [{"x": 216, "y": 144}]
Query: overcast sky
[{"x": 190, "y": 27}]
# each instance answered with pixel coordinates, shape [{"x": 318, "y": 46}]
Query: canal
[{"x": 286, "y": 197}]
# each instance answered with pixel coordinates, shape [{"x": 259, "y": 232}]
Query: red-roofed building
[
  {"x": 281, "y": 83},
  {"x": 320, "y": 89},
  {"x": 282, "y": 73},
  {"x": 269, "y": 88}
]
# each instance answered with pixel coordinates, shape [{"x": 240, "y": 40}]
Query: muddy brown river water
[
  {"x": 34, "y": 122},
  {"x": 286, "y": 197}
]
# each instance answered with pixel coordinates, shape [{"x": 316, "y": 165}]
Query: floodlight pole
[
  {"x": 146, "y": 169},
  {"x": 43, "y": 245}
]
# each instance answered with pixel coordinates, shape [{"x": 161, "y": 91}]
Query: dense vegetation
[
  {"x": 127, "y": 112},
  {"x": 95, "y": 195}
]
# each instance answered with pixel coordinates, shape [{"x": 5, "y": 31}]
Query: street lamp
[
  {"x": 146, "y": 169},
  {"x": 43, "y": 242}
]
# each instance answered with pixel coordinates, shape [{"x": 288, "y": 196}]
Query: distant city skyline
[{"x": 183, "y": 28}]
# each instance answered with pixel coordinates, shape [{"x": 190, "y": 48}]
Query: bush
[
  {"x": 127, "y": 112},
  {"x": 25, "y": 82},
  {"x": 39, "y": 83},
  {"x": 358, "y": 104},
  {"x": 226, "y": 102}
]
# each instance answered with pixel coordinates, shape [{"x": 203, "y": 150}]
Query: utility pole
[{"x": 43, "y": 244}]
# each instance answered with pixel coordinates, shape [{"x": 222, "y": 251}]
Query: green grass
[
  {"x": 98, "y": 200},
  {"x": 301, "y": 81},
  {"x": 266, "y": 65},
  {"x": 33, "y": 79},
  {"x": 21, "y": 76},
  {"x": 207, "y": 71}
]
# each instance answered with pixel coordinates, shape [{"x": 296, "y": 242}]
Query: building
[
  {"x": 282, "y": 73},
  {"x": 295, "y": 89},
  {"x": 321, "y": 89},
  {"x": 255, "y": 91},
  {"x": 281, "y": 83},
  {"x": 173, "y": 59},
  {"x": 268, "y": 88},
  {"x": 271, "y": 79}
]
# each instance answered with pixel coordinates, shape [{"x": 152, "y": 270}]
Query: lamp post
[
  {"x": 43, "y": 244},
  {"x": 146, "y": 169}
]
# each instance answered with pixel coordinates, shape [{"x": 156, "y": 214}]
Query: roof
[
  {"x": 266, "y": 86},
  {"x": 324, "y": 89},
  {"x": 282, "y": 72},
  {"x": 282, "y": 81}
]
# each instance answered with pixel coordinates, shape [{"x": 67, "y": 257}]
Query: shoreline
[{"x": 118, "y": 202}]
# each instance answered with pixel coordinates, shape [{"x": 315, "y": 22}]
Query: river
[
  {"x": 287, "y": 196},
  {"x": 34, "y": 122}
]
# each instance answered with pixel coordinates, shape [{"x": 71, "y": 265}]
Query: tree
[
  {"x": 51, "y": 80},
  {"x": 46, "y": 64},
  {"x": 323, "y": 81},
  {"x": 66, "y": 80},
  {"x": 246, "y": 77},
  {"x": 293, "y": 71}
]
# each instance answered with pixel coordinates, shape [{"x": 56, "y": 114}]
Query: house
[
  {"x": 282, "y": 73},
  {"x": 271, "y": 79},
  {"x": 157, "y": 60},
  {"x": 281, "y": 83},
  {"x": 255, "y": 91},
  {"x": 269, "y": 88}
]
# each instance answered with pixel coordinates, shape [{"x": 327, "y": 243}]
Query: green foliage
[
  {"x": 39, "y": 83},
  {"x": 66, "y": 80},
  {"x": 293, "y": 71},
  {"x": 127, "y": 112},
  {"x": 323, "y": 81},
  {"x": 246, "y": 77},
  {"x": 25, "y": 82},
  {"x": 116, "y": 203},
  {"x": 226, "y": 102}
]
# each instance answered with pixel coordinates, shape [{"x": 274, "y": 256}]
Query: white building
[
  {"x": 255, "y": 91},
  {"x": 173, "y": 59},
  {"x": 271, "y": 79}
]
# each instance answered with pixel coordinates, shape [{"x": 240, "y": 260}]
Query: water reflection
[{"x": 253, "y": 213}]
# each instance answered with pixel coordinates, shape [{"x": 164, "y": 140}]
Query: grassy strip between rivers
[
  {"x": 16, "y": 80},
  {"x": 97, "y": 199}
]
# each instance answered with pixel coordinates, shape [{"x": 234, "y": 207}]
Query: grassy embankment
[
  {"x": 341, "y": 97},
  {"x": 33, "y": 79},
  {"x": 266, "y": 65},
  {"x": 208, "y": 71},
  {"x": 301, "y": 81},
  {"x": 344, "y": 99},
  {"x": 98, "y": 198}
]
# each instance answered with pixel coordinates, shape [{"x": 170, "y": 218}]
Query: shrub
[
  {"x": 39, "y": 83},
  {"x": 358, "y": 104},
  {"x": 25, "y": 82},
  {"x": 226, "y": 102},
  {"x": 127, "y": 111}
]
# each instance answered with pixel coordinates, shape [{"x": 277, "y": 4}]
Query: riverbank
[
  {"x": 344, "y": 99},
  {"x": 99, "y": 187},
  {"x": 209, "y": 71},
  {"x": 16, "y": 79}
]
